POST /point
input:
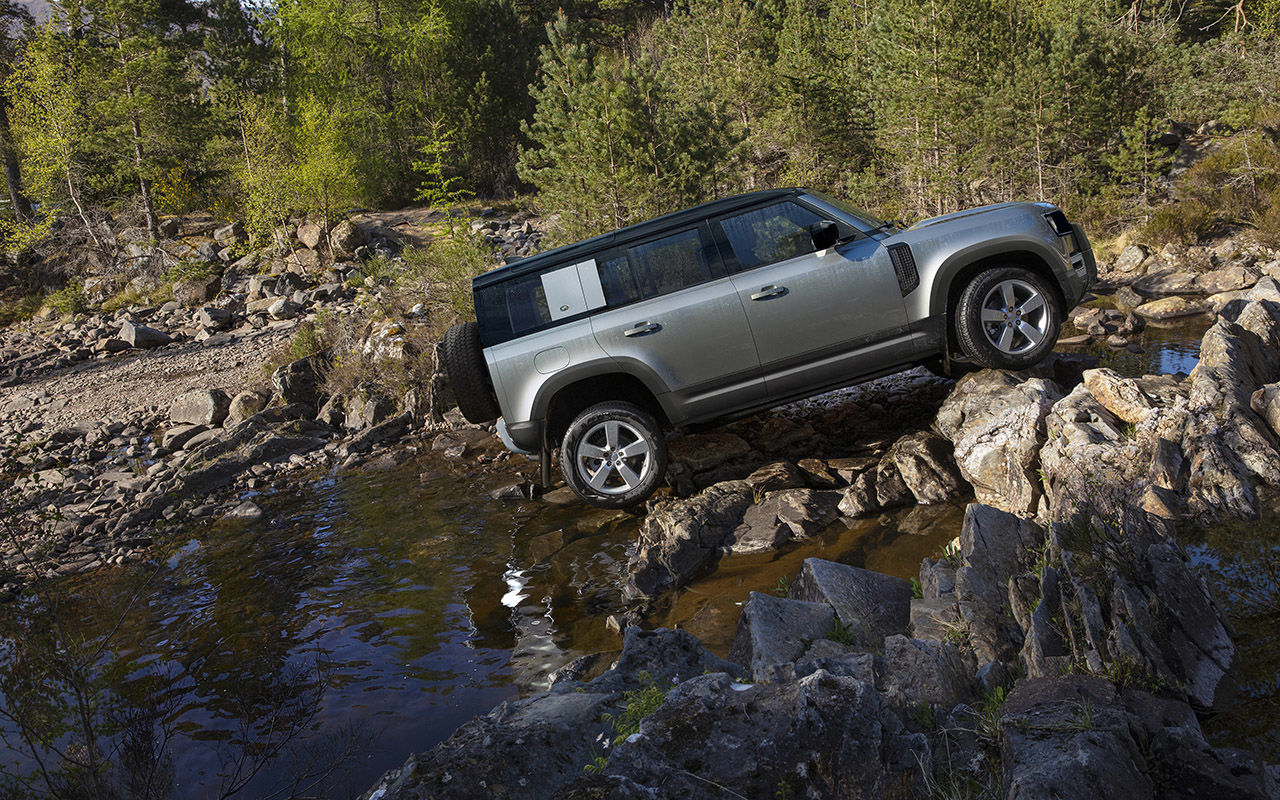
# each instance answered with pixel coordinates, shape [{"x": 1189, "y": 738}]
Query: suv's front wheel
[
  {"x": 1007, "y": 318},
  {"x": 614, "y": 455}
]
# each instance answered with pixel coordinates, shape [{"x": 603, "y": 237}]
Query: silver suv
[{"x": 719, "y": 311}]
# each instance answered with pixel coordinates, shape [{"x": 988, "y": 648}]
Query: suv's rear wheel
[
  {"x": 614, "y": 455},
  {"x": 469, "y": 375},
  {"x": 1007, "y": 318}
]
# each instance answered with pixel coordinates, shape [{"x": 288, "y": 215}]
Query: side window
[
  {"x": 770, "y": 234},
  {"x": 670, "y": 263},
  {"x": 527, "y": 303},
  {"x": 617, "y": 280}
]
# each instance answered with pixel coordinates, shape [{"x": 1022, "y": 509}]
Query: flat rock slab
[
  {"x": 773, "y": 632},
  {"x": 870, "y": 605},
  {"x": 141, "y": 337},
  {"x": 925, "y": 671},
  {"x": 784, "y": 516}
]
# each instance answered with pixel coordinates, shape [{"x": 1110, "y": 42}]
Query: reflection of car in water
[{"x": 721, "y": 310}]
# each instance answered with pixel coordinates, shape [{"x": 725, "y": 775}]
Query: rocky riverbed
[{"x": 1061, "y": 643}]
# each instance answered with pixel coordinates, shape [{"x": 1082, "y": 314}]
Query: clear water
[
  {"x": 376, "y": 612},
  {"x": 1167, "y": 349}
]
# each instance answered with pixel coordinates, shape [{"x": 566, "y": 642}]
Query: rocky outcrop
[
  {"x": 995, "y": 421},
  {"x": 869, "y": 605},
  {"x": 773, "y": 633},
  {"x": 679, "y": 537},
  {"x": 783, "y": 516}
]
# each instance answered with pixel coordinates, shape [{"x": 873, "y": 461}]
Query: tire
[
  {"x": 1007, "y": 318},
  {"x": 469, "y": 375},
  {"x": 592, "y": 443}
]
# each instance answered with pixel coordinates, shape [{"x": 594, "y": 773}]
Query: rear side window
[
  {"x": 617, "y": 280},
  {"x": 670, "y": 264},
  {"x": 770, "y": 234},
  {"x": 527, "y": 303}
]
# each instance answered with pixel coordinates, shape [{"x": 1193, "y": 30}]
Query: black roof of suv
[{"x": 622, "y": 235}]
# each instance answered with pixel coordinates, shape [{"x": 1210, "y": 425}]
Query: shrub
[
  {"x": 1184, "y": 222},
  {"x": 18, "y": 307},
  {"x": 443, "y": 270},
  {"x": 69, "y": 299},
  {"x": 188, "y": 270}
]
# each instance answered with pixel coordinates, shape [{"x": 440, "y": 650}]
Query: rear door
[
  {"x": 818, "y": 318},
  {"x": 673, "y": 315}
]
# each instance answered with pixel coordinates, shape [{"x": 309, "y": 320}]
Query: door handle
[
  {"x": 642, "y": 328},
  {"x": 769, "y": 291}
]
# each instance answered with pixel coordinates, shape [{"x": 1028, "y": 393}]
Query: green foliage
[
  {"x": 69, "y": 300},
  {"x": 917, "y": 589},
  {"x": 189, "y": 270},
  {"x": 636, "y": 705},
  {"x": 783, "y": 587},
  {"x": 443, "y": 270},
  {"x": 18, "y": 308},
  {"x": 841, "y": 633}
]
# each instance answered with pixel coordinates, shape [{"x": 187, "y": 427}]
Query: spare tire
[{"x": 469, "y": 375}]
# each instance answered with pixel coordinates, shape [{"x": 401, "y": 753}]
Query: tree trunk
[{"x": 12, "y": 171}]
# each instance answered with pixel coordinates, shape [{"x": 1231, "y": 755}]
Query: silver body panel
[{"x": 784, "y": 330}]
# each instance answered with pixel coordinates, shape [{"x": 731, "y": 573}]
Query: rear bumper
[{"x": 1083, "y": 272}]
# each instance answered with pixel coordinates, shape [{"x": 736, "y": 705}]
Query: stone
[
  {"x": 1121, "y": 396},
  {"x": 1127, "y": 298},
  {"x": 310, "y": 234},
  {"x": 177, "y": 437},
  {"x": 1064, "y": 738},
  {"x": 783, "y": 516},
  {"x": 773, "y": 632},
  {"x": 230, "y": 234},
  {"x": 702, "y": 452},
  {"x": 922, "y": 671},
  {"x": 1130, "y": 259},
  {"x": 869, "y": 605},
  {"x": 298, "y": 381},
  {"x": 924, "y": 461},
  {"x": 996, "y": 421},
  {"x": 169, "y": 226},
  {"x": 247, "y": 510},
  {"x": 1166, "y": 282},
  {"x": 1266, "y": 402},
  {"x": 1227, "y": 279},
  {"x": 284, "y": 308},
  {"x": 140, "y": 337},
  {"x": 98, "y": 288},
  {"x": 243, "y": 406},
  {"x": 678, "y": 538},
  {"x": 213, "y": 317},
  {"x": 776, "y": 476},
  {"x": 933, "y": 619},
  {"x": 345, "y": 238},
  {"x": 202, "y": 407},
  {"x": 713, "y": 739},
  {"x": 365, "y": 412},
  {"x": 1170, "y": 308},
  {"x": 859, "y": 499},
  {"x": 993, "y": 546}
]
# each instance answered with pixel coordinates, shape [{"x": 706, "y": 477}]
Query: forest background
[{"x": 606, "y": 112}]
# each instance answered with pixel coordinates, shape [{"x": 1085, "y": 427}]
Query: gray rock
[
  {"x": 1166, "y": 282},
  {"x": 247, "y": 510},
  {"x": 869, "y": 605},
  {"x": 1130, "y": 259},
  {"x": 994, "y": 545},
  {"x": 773, "y": 632},
  {"x": 243, "y": 406},
  {"x": 230, "y": 234},
  {"x": 1227, "y": 279},
  {"x": 192, "y": 292},
  {"x": 996, "y": 421},
  {"x": 679, "y": 537},
  {"x": 365, "y": 412},
  {"x": 920, "y": 671},
  {"x": 926, "y": 465},
  {"x": 776, "y": 476},
  {"x": 702, "y": 452},
  {"x": 345, "y": 238},
  {"x": 177, "y": 437},
  {"x": 781, "y": 517},
  {"x": 299, "y": 381},
  {"x": 141, "y": 337},
  {"x": 1171, "y": 308},
  {"x": 201, "y": 407},
  {"x": 284, "y": 308},
  {"x": 934, "y": 619},
  {"x": 1266, "y": 403},
  {"x": 213, "y": 317},
  {"x": 310, "y": 234}
]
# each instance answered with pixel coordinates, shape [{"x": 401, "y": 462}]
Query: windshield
[{"x": 858, "y": 217}]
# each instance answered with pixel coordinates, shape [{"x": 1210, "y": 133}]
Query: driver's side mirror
[{"x": 824, "y": 234}]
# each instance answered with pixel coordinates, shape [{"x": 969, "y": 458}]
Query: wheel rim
[
  {"x": 614, "y": 457},
  {"x": 1015, "y": 317}
]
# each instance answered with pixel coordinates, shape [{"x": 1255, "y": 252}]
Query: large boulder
[
  {"x": 345, "y": 238},
  {"x": 230, "y": 234},
  {"x": 1130, "y": 259},
  {"x": 202, "y": 407},
  {"x": 773, "y": 632},
  {"x": 243, "y": 406},
  {"x": 679, "y": 537},
  {"x": 1228, "y": 279},
  {"x": 141, "y": 337},
  {"x": 1171, "y": 308},
  {"x": 869, "y": 605},
  {"x": 995, "y": 545},
  {"x": 821, "y": 736},
  {"x": 781, "y": 517},
  {"x": 310, "y": 234},
  {"x": 925, "y": 462},
  {"x": 996, "y": 422},
  {"x": 299, "y": 381},
  {"x": 192, "y": 292},
  {"x": 921, "y": 671}
]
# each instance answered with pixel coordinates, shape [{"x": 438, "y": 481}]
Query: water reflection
[{"x": 1167, "y": 349}]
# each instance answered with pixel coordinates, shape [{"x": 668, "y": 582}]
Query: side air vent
[{"x": 905, "y": 265}]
